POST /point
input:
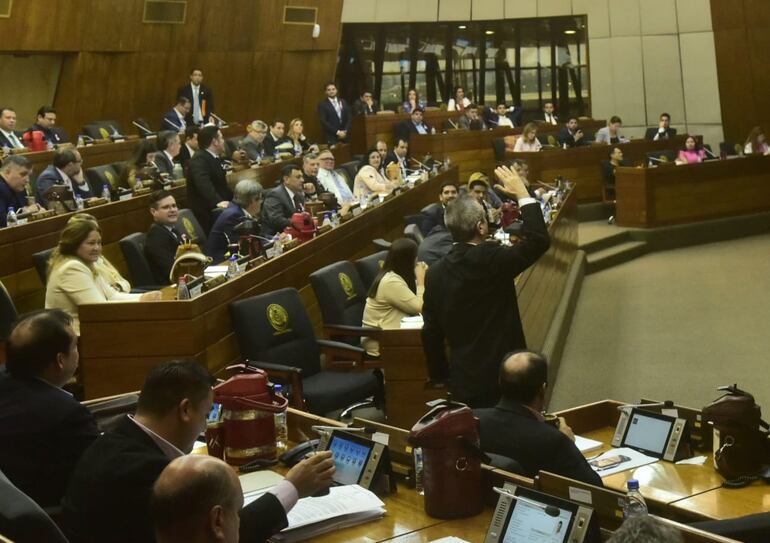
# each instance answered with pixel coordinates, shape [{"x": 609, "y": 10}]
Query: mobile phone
[
  {"x": 608, "y": 462},
  {"x": 215, "y": 415}
]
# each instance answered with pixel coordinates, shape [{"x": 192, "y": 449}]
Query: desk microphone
[
  {"x": 709, "y": 153},
  {"x": 550, "y": 510},
  {"x": 658, "y": 160},
  {"x": 179, "y": 128},
  {"x": 115, "y": 133},
  {"x": 320, "y": 429},
  {"x": 88, "y": 139},
  {"x": 220, "y": 120},
  {"x": 142, "y": 128},
  {"x": 668, "y": 404}
]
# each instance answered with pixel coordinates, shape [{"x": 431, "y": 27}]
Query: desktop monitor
[
  {"x": 356, "y": 458},
  {"x": 653, "y": 434}
]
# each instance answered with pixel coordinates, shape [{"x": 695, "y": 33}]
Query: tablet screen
[
  {"x": 350, "y": 458},
  {"x": 531, "y": 523},
  {"x": 648, "y": 433}
]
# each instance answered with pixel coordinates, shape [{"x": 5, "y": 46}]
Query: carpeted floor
[{"x": 672, "y": 325}]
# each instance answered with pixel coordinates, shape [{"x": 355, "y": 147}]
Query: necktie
[
  {"x": 337, "y": 108},
  {"x": 342, "y": 188},
  {"x": 298, "y": 203},
  {"x": 197, "y": 116},
  {"x": 15, "y": 141}
]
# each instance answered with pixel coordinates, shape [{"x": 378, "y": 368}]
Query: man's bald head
[
  {"x": 523, "y": 376},
  {"x": 197, "y": 498}
]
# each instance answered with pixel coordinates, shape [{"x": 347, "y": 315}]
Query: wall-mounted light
[
  {"x": 489, "y": 32},
  {"x": 570, "y": 32},
  {"x": 316, "y": 30}
]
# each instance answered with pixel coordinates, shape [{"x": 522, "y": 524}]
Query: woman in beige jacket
[{"x": 396, "y": 292}]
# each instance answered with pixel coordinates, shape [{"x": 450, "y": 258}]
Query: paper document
[
  {"x": 623, "y": 459},
  {"x": 411, "y": 323},
  {"x": 450, "y": 539},
  {"x": 584, "y": 444},
  {"x": 259, "y": 481},
  {"x": 215, "y": 271}
]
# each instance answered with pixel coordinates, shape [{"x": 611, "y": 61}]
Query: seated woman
[
  {"x": 298, "y": 139},
  {"x": 140, "y": 167},
  {"x": 413, "y": 101},
  {"x": 73, "y": 276},
  {"x": 396, "y": 292},
  {"x": 610, "y": 134},
  {"x": 528, "y": 140},
  {"x": 369, "y": 180},
  {"x": 756, "y": 143},
  {"x": 459, "y": 102},
  {"x": 692, "y": 152},
  {"x": 104, "y": 267}
]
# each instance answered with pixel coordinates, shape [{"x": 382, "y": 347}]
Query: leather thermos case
[{"x": 449, "y": 438}]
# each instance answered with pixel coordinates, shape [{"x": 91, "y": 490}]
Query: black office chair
[
  {"x": 498, "y": 146},
  {"x": 730, "y": 148},
  {"x": 505, "y": 463},
  {"x": 413, "y": 232},
  {"x": 369, "y": 266},
  {"x": 8, "y": 313},
  {"x": 40, "y": 260},
  {"x": 662, "y": 157},
  {"x": 341, "y": 295},
  {"x": 132, "y": 247},
  {"x": 351, "y": 169},
  {"x": 346, "y": 176},
  {"x": 189, "y": 225},
  {"x": 21, "y": 519},
  {"x": 275, "y": 334},
  {"x": 98, "y": 176}
]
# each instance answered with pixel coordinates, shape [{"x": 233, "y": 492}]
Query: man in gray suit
[{"x": 169, "y": 146}]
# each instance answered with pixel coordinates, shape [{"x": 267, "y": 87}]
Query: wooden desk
[
  {"x": 473, "y": 529},
  {"x": 649, "y": 197},
  {"x": 112, "y": 360},
  {"x": 583, "y": 164},
  {"x": 366, "y": 130},
  {"x": 722, "y": 503}
]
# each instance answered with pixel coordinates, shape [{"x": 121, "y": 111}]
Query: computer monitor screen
[
  {"x": 648, "y": 432},
  {"x": 350, "y": 457},
  {"x": 531, "y": 523}
]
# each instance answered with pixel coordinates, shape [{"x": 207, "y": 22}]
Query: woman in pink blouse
[{"x": 692, "y": 152}]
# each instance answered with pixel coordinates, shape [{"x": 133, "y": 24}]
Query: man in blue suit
[
  {"x": 65, "y": 171},
  {"x": 335, "y": 116},
  {"x": 174, "y": 119},
  {"x": 247, "y": 203}
]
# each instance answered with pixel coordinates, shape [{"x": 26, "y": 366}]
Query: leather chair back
[
  {"x": 350, "y": 169},
  {"x": 274, "y": 327},
  {"x": 498, "y": 147},
  {"x": 21, "y": 519},
  {"x": 132, "y": 247},
  {"x": 40, "y": 260},
  {"x": 189, "y": 225},
  {"x": 341, "y": 293},
  {"x": 369, "y": 266},
  {"x": 98, "y": 176},
  {"x": 8, "y": 313},
  {"x": 413, "y": 232}
]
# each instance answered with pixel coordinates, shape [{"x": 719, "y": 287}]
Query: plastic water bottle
[
  {"x": 106, "y": 192},
  {"x": 232, "y": 267},
  {"x": 335, "y": 218},
  {"x": 10, "y": 218},
  {"x": 277, "y": 155},
  {"x": 79, "y": 204},
  {"x": 327, "y": 220},
  {"x": 634, "y": 504},
  {"x": 81, "y": 142},
  {"x": 418, "y": 471},
  {"x": 178, "y": 172},
  {"x": 281, "y": 430},
  {"x": 182, "y": 292}
]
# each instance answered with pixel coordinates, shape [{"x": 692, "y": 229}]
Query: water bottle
[
  {"x": 106, "y": 192},
  {"x": 182, "y": 292},
  {"x": 178, "y": 172},
  {"x": 10, "y": 218},
  {"x": 634, "y": 504},
  {"x": 79, "y": 204},
  {"x": 232, "y": 267},
  {"x": 281, "y": 430},
  {"x": 418, "y": 471},
  {"x": 335, "y": 218},
  {"x": 81, "y": 143},
  {"x": 327, "y": 220},
  {"x": 277, "y": 155}
]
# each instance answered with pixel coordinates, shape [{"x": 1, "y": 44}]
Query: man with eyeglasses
[
  {"x": 66, "y": 171},
  {"x": 334, "y": 181}
]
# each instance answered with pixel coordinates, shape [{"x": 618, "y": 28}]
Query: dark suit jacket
[
  {"x": 406, "y": 128},
  {"x": 5, "y": 143},
  {"x": 269, "y": 144},
  {"x": 222, "y": 231},
  {"x": 55, "y": 135},
  {"x": 206, "y": 186},
  {"x": 160, "y": 249},
  {"x": 277, "y": 210},
  {"x": 564, "y": 136},
  {"x": 434, "y": 217},
  {"x": 253, "y": 148},
  {"x": 22, "y": 520},
  {"x": 44, "y": 431},
  {"x": 50, "y": 177},
  {"x": 435, "y": 246},
  {"x": 513, "y": 430},
  {"x": 109, "y": 493},
  {"x": 470, "y": 300},
  {"x": 361, "y": 108},
  {"x": 164, "y": 164},
  {"x": 331, "y": 123},
  {"x": 204, "y": 93},
  {"x": 171, "y": 121},
  {"x": 184, "y": 158},
  {"x": 9, "y": 198},
  {"x": 652, "y": 132}
]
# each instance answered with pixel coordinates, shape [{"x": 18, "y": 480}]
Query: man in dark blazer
[
  {"x": 434, "y": 214},
  {"x": 366, "y": 105},
  {"x": 470, "y": 298},
  {"x": 516, "y": 428},
  {"x": 46, "y": 124},
  {"x": 200, "y": 96},
  {"x": 108, "y": 498},
  {"x": 247, "y": 203},
  {"x": 162, "y": 238},
  {"x": 44, "y": 430},
  {"x": 188, "y": 148},
  {"x": 571, "y": 135},
  {"x": 414, "y": 125},
  {"x": 283, "y": 201},
  {"x": 274, "y": 138},
  {"x": 335, "y": 116},
  {"x": 66, "y": 171},
  {"x": 663, "y": 131},
  {"x": 175, "y": 118},
  {"x": 9, "y": 137},
  {"x": 169, "y": 146},
  {"x": 206, "y": 180},
  {"x": 399, "y": 154},
  {"x": 14, "y": 177},
  {"x": 548, "y": 115}
]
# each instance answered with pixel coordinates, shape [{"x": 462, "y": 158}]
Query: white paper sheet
[
  {"x": 635, "y": 460},
  {"x": 584, "y": 444}
]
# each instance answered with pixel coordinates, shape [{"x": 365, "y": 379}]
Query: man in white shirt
[
  {"x": 501, "y": 118},
  {"x": 333, "y": 181},
  {"x": 548, "y": 114},
  {"x": 664, "y": 130},
  {"x": 399, "y": 154},
  {"x": 8, "y": 136}
]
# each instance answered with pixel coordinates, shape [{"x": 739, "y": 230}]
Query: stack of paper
[
  {"x": 411, "y": 323},
  {"x": 344, "y": 506},
  {"x": 584, "y": 444}
]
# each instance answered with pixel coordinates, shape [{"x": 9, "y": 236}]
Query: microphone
[
  {"x": 550, "y": 510},
  {"x": 142, "y": 128},
  {"x": 658, "y": 160},
  {"x": 668, "y": 404},
  {"x": 179, "y": 128},
  {"x": 220, "y": 120},
  {"x": 87, "y": 138},
  {"x": 115, "y": 133},
  {"x": 709, "y": 153},
  {"x": 452, "y": 123},
  {"x": 320, "y": 429}
]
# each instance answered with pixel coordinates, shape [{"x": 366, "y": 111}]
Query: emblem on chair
[
  {"x": 278, "y": 318},
  {"x": 103, "y": 133},
  {"x": 347, "y": 285},
  {"x": 188, "y": 227},
  {"x": 110, "y": 178},
  {"x": 380, "y": 263}
]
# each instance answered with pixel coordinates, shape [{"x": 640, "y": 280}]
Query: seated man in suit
[
  {"x": 471, "y": 119},
  {"x": 332, "y": 180},
  {"x": 200, "y": 96},
  {"x": 9, "y": 138},
  {"x": 571, "y": 135},
  {"x": 283, "y": 201},
  {"x": 275, "y": 137},
  {"x": 399, "y": 154},
  {"x": 187, "y": 150},
  {"x": 335, "y": 116},
  {"x": 46, "y": 124},
  {"x": 66, "y": 170},
  {"x": 108, "y": 498},
  {"x": 246, "y": 204},
  {"x": 663, "y": 131},
  {"x": 168, "y": 149},
  {"x": 382, "y": 148},
  {"x": 206, "y": 180},
  {"x": 174, "y": 119},
  {"x": 162, "y": 238},
  {"x": 500, "y": 117},
  {"x": 435, "y": 214},
  {"x": 516, "y": 428},
  {"x": 549, "y": 115},
  {"x": 14, "y": 177},
  {"x": 310, "y": 166},
  {"x": 44, "y": 430},
  {"x": 415, "y": 125},
  {"x": 435, "y": 246},
  {"x": 366, "y": 105},
  {"x": 253, "y": 143}
]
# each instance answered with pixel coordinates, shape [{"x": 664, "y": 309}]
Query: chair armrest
[
  {"x": 331, "y": 330},
  {"x": 341, "y": 355},
  {"x": 289, "y": 375},
  {"x": 381, "y": 244}
]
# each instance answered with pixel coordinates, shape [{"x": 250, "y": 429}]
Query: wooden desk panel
[
  {"x": 722, "y": 503},
  {"x": 649, "y": 197},
  {"x": 583, "y": 164},
  {"x": 473, "y": 529}
]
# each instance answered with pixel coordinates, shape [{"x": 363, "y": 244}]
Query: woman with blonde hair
[
  {"x": 296, "y": 136},
  {"x": 528, "y": 140},
  {"x": 103, "y": 266},
  {"x": 73, "y": 278}
]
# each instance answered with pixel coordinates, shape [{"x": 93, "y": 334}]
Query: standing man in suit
[
  {"x": 413, "y": 125},
  {"x": 168, "y": 149},
  {"x": 175, "y": 118},
  {"x": 664, "y": 130},
  {"x": 516, "y": 428},
  {"x": 9, "y": 138},
  {"x": 162, "y": 238},
  {"x": 571, "y": 135},
  {"x": 46, "y": 124},
  {"x": 470, "y": 297},
  {"x": 246, "y": 204},
  {"x": 44, "y": 430},
  {"x": 335, "y": 116},
  {"x": 108, "y": 498},
  {"x": 206, "y": 181},
  {"x": 66, "y": 170},
  {"x": 549, "y": 114},
  {"x": 200, "y": 96},
  {"x": 283, "y": 201},
  {"x": 275, "y": 137}
]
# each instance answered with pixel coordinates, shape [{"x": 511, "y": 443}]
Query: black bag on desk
[{"x": 741, "y": 445}]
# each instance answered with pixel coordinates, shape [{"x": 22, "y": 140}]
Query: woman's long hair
[
  {"x": 698, "y": 146},
  {"x": 401, "y": 259},
  {"x": 290, "y": 132},
  {"x": 365, "y": 160},
  {"x": 753, "y": 139},
  {"x": 73, "y": 235}
]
